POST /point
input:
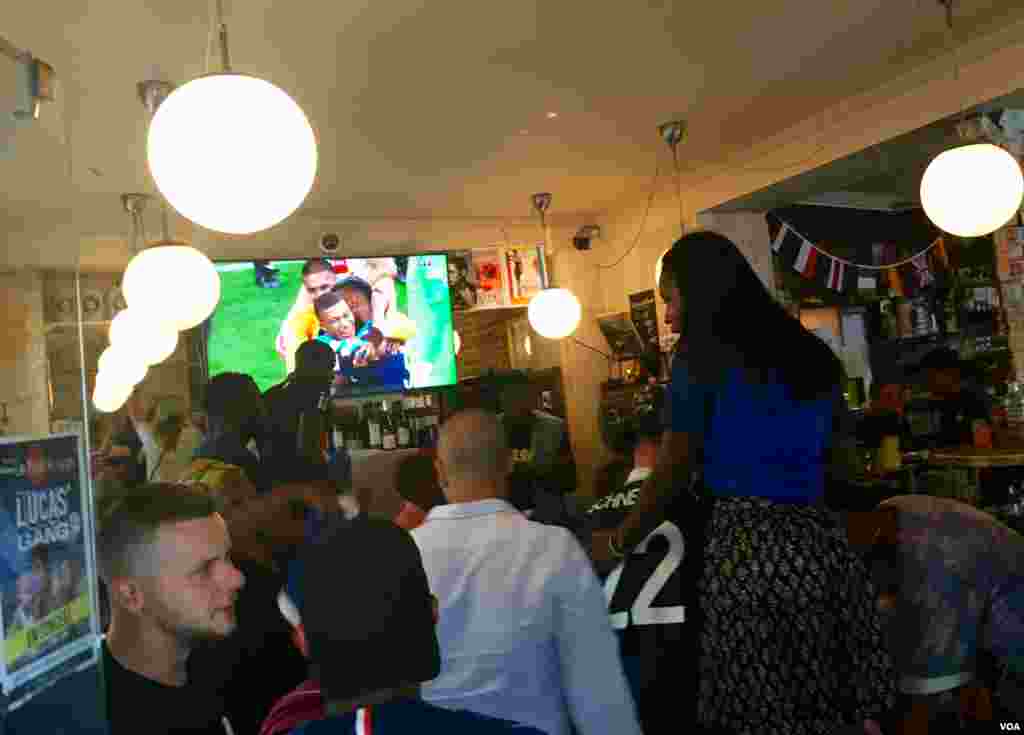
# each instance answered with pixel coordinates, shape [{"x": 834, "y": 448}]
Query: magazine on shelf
[
  {"x": 490, "y": 277},
  {"x": 525, "y": 272},
  {"x": 621, "y": 334}
]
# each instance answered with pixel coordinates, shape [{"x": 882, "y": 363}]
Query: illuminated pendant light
[
  {"x": 169, "y": 287},
  {"x": 231, "y": 152},
  {"x": 972, "y": 190},
  {"x": 120, "y": 366},
  {"x": 152, "y": 342},
  {"x": 108, "y": 396},
  {"x": 554, "y": 313},
  {"x": 975, "y": 188},
  {"x": 172, "y": 285}
]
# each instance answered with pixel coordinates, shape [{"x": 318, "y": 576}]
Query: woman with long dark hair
[
  {"x": 739, "y": 602},
  {"x": 752, "y": 392}
]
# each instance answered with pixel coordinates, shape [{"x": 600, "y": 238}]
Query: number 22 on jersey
[{"x": 641, "y": 610}]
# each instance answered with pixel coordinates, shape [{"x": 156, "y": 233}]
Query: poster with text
[
  {"x": 46, "y": 561},
  {"x": 490, "y": 277},
  {"x": 526, "y": 274},
  {"x": 644, "y": 312}
]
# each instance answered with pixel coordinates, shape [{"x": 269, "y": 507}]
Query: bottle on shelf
[
  {"x": 373, "y": 427},
  {"x": 354, "y": 436},
  {"x": 403, "y": 427},
  {"x": 1014, "y": 404},
  {"x": 388, "y": 431}
]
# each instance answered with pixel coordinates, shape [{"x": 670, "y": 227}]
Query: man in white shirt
[{"x": 524, "y": 628}]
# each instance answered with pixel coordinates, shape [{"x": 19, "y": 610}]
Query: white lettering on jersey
[
  {"x": 643, "y": 611},
  {"x": 616, "y": 501}
]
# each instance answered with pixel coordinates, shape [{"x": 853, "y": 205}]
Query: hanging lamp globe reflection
[
  {"x": 107, "y": 397},
  {"x": 152, "y": 343},
  {"x": 231, "y": 152},
  {"x": 120, "y": 366},
  {"x": 172, "y": 286},
  {"x": 554, "y": 313},
  {"x": 972, "y": 190}
]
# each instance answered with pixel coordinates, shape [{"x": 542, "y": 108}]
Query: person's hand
[
  {"x": 601, "y": 548},
  {"x": 280, "y": 346}
]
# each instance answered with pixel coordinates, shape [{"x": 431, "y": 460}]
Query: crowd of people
[{"x": 714, "y": 592}]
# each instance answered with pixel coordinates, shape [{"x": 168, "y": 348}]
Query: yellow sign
[{"x": 33, "y": 636}]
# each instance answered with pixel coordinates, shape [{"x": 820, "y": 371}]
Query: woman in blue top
[{"x": 751, "y": 389}]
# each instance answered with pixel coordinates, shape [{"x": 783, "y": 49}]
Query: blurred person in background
[
  {"x": 169, "y": 440},
  {"x": 236, "y": 422}
]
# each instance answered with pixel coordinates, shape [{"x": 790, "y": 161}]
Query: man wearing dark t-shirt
[{"x": 163, "y": 554}]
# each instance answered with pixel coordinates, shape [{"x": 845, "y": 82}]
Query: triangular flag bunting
[
  {"x": 803, "y": 257},
  {"x": 837, "y": 275},
  {"x": 777, "y": 242}
]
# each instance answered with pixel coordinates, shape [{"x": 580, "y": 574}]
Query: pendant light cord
[
  {"x": 592, "y": 349},
  {"x": 679, "y": 188},
  {"x": 222, "y": 30}
]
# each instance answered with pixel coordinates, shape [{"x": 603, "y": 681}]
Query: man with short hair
[
  {"x": 301, "y": 325},
  {"x": 371, "y": 649},
  {"x": 523, "y": 626},
  {"x": 163, "y": 552}
]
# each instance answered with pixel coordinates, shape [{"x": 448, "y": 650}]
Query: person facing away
[
  {"x": 523, "y": 624},
  {"x": 235, "y": 416},
  {"x": 786, "y": 633},
  {"x": 163, "y": 553},
  {"x": 301, "y": 324},
  {"x": 369, "y": 633},
  {"x": 168, "y": 437},
  {"x": 300, "y": 391},
  {"x": 753, "y": 394}
]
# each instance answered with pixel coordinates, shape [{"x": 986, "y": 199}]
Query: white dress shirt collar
[{"x": 476, "y": 508}]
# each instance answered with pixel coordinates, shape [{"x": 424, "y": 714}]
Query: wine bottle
[
  {"x": 388, "y": 434},
  {"x": 373, "y": 427},
  {"x": 403, "y": 427},
  {"x": 354, "y": 431}
]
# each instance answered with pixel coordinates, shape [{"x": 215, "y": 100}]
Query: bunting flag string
[{"x": 904, "y": 277}]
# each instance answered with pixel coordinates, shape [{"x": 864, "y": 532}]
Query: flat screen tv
[{"x": 387, "y": 319}]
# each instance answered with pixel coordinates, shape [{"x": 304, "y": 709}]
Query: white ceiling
[{"x": 439, "y": 109}]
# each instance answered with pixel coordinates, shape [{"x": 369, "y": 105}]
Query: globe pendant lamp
[
  {"x": 972, "y": 190},
  {"x": 172, "y": 285},
  {"x": 231, "y": 152},
  {"x": 152, "y": 342},
  {"x": 120, "y": 366},
  {"x": 108, "y": 396},
  {"x": 554, "y": 312}
]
